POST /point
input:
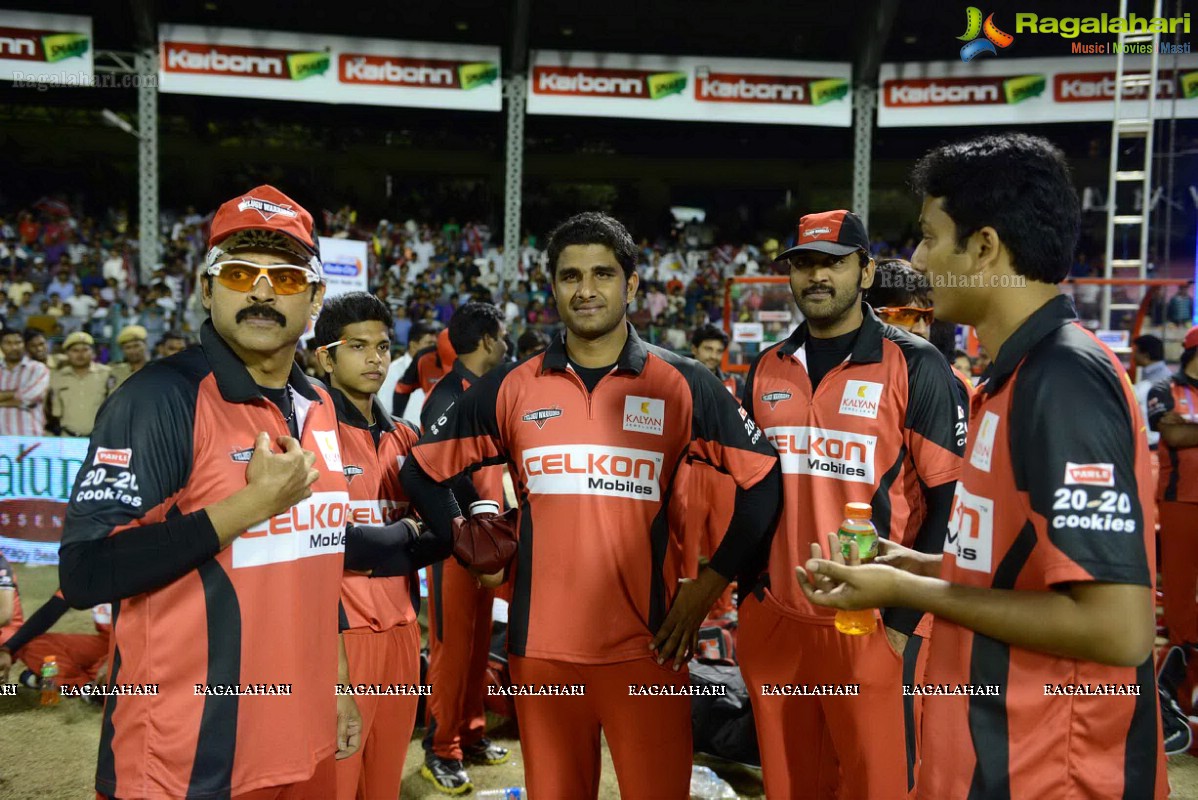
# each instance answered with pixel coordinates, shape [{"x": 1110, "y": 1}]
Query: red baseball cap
[
  {"x": 836, "y": 233},
  {"x": 265, "y": 208},
  {"x": 1191, "y": 339}
]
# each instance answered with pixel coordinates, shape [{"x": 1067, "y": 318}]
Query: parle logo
[{"x": 975, "y": 28}]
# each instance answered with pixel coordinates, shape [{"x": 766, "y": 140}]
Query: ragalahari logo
[{"x": 974, "y": 27}]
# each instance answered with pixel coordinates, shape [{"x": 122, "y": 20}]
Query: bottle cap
[
  {"x": 50, "y": 658},
  {"x": 484, "y": 507},
  {"x": 858, "y": 510}
]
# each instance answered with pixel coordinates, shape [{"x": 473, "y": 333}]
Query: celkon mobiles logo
[
  {"x": 242, "y": 62},
  {"x": 595, "y": 470},
  {"x": 415, "y": 73},
  {"x": 596, "y": 82},
  {"x": 974, "y": 27},
  {"x": 839, "y": 455},
  {"x": 25, "y": 44},
  {"x": 312, "y": 527},
  {"x": 970, "y": 536},
  {"x": 376, "y": 512}
]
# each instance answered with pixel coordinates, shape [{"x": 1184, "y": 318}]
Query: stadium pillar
[
  {"x": 147, "y": 160},
  {"x": 514, "y": 90},
  {"x": 865, "y": 100}
]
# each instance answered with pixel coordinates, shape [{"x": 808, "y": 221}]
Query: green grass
[{"x": 51, "y": 752}]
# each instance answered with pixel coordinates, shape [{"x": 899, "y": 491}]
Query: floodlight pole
[
  {"x": 147, "y": 160},
  {"x": 515, "y": 89},
  {"x": 865, "y": 99}
]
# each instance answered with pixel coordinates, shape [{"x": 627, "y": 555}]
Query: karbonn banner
[
  {"x": 690, "y": 88},
  {"x": 46, "y": 48},
  {"x": 1029, "y": 91},
  {"x": 231, "y": 62},
  {"x": 36, "y": 477}
]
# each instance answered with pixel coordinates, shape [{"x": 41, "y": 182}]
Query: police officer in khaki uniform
[
  {"x": 132, "y": 341},
  {"x": 79, "y": 387}
]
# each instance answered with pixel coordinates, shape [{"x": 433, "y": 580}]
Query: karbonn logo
[
  {"x": 245, "y": 62},
  {"x": 416, "y": 73},
  {"x": 977, "y": 91},
  {"x": 720, "y": 87},
  {"x": 595, "y": 82},
  {"x": 839, "y": 455},
  {"x": 593, "y": 469},
  {"x": 22, "y": 44}
]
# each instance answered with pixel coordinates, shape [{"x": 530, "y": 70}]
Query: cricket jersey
[
  {"x": 878, "y": 424},
  {"x": 594, "y": 473},
  {"x": 8, "y": 580},
  {"x": 427, "y": 367},
  {"x": 1178, "y": 481},
  {"x": 1055, "y": 489},
  {"x": 376, "y": 499},
  {"x": 260, "y": 615}
]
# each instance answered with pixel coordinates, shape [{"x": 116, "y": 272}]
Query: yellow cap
[
  {"x": 78, "y": 337},
  {"x": 131, "y": 332},
  {"x": 858, "y": 510}
]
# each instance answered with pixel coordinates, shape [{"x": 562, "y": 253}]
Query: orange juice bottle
[
  {"x": 50, "y": 695},
  {"x": 858, "y": 528}
]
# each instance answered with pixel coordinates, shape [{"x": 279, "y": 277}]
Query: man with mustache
[
  {"x": 211, "y": 511},
  {"x": 860, "y": 412}
]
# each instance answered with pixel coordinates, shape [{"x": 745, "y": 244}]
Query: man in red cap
[
  {"x": 211, "y": 512},
  {"x": 1173, "y": 411},
  {"x": 860, "y": 412}
]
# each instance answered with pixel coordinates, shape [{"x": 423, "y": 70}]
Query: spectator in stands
[
  {"x": 79, "y": 387},
  {"x": 172, "y": 342},
  {"x": 36, "y": 347},
  {"x": 132, "y": 341},
  {"x": 1180, "y": 310},
  {"x": 963, "y": 362},
  {"x": 421, "y": 334},
  {"x": 531, "y": 342},
  {"x": 62, "y": 285},
  {"x": 23, "y": 386}
]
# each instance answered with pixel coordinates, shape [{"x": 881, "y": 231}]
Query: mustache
[
  {"x": 263, "y": 311},
  {"x": 821, "y": 288}
]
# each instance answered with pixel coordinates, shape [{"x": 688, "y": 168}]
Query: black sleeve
[
  {"x": 367, "y": 545},
  {"x": 934, "y": 425},
  {"x": 929, "y": 539},
  {"x": 1079, "y": 469},
  {"x": 445, "y": 394},
  {"x": 437, "y": 508},
  {"x": 753, "y": 518},
  {"x": 41, "y": 621},
  {"x": 139, "y": 457},
  {"x": 1160, "y": 402}
]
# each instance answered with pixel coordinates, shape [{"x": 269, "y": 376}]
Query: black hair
[
  {"x": 1150, "y": 346},
  {"x": 531, "y": 342},
  {"x": 1186, "y": 357},
  {"x": 470, "y": 323},
  {"x": 343, "y": 310},
  {"x": 706, "y": 333},
  {"x": 593, "y": 227},
  {"x": 1015, "y": 183},
  {"x": 32, "y": 333},
  {"x": 897, "y": 284},
  {"x": 7, "y": 331},
  {"x": 943, "y": 336},
  {"x": 421, "y": 328},
  {"x": 962, "y": 354},
  {"x": 173, "y": 334}
]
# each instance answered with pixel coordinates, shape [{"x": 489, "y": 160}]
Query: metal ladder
[{"x": 1124, "y": 129}]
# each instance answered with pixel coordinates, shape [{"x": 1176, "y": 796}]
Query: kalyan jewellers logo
[{"x": 974, "y": 28}]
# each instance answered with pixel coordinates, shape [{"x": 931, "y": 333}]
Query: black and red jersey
[
  {"x": 733, "y": 383},
  {"x": 488, "y": 481},
  {"x": 8, "y": 580},
  {"x": 428, "y": 366},
  {"x": 885, "y": 420},
  {"x": 376, "y": 498},
  {"x": 594, "y": 473},
  {"x": 1055, "y": 489},
  {"x": 261, "y": 612},
  {"x": 1178, "y": 480}
]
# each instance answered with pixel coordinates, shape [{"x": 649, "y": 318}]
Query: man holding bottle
[{"x": 859, "y": 412}]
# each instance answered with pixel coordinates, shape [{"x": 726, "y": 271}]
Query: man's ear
[
  {"x": 206, "y": 292},
  {"x": 325, "y": 359}
]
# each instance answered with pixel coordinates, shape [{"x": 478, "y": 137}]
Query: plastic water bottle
[
  {"x": 706, "y": 785},
  {"x": 484, "y": 507},
  {"x": 858, "y": 528},
  {"x": 508, "y": 793},
  {"x": 50, "y": 695}
]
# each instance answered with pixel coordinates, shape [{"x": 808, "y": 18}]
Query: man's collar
[
  {"x": 1182, "y": 379},
  {"x": 1054, "y": 314},
  {"x": 866, "y": 350},
  {"x": 348, "y": 413},
  {"x": 632, "y": 358},
  {"x": 233, "y": 379},
  {"x": 463, "y": 372}
]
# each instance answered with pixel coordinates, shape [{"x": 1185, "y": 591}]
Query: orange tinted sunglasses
[
  {"x": 906, "y": 315},
  {"x": 242, "y": 276}
]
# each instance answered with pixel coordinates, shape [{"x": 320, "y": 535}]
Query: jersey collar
[
  {"x": 866, "y": 350},
  {"x": 460, "y": 370},
  {"x": 348, "y": 413},
  {"x": 233, "y": 379},
  {"x": 1054, "y": 314},
  {"x": 632, "y": 358}
]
